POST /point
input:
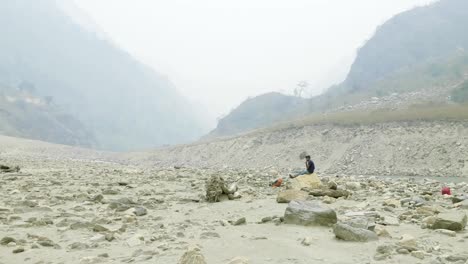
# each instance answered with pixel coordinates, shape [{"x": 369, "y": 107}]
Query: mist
[{"x": 218, "y": 53}]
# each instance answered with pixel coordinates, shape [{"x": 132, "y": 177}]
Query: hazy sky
[{"x": 219, "y": 52}]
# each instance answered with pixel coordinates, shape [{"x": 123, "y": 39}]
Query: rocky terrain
[
  {"x": 435, "y": 149},
  {"x": 69, "y": 205}
]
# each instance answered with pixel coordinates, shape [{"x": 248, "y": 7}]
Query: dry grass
[{"x": 427, "y": 112}]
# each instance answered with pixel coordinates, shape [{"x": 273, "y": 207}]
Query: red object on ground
[
  {"x": 447, "y": 191},
  {"x": 278, "y": 182}
]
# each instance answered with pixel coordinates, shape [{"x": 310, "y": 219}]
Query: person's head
[{"x": 307, "y": 157}]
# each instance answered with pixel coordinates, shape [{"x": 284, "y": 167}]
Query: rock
[
  {"x": 240, "y": 221},
  {"x": 392, "y": 203},
  {"x": 418, "y": 254},
  {"x": 446, "y": 232},
  {"x": 455, "y": 221},
  {"x": 408, "y": 242},
  {"x": 384, "y": 252},
  {"x": 361, "y": 222},
  {"x": 215, "y": 187},
  {"x": 306, "y": 241},
  {"x": 140, "y": 211},
  {"x": 99, "y": 228},
  {"x": 390, "y": 221},
  {"x": 209, "y": 235},
  {"x": 287, "y": 196},
  {"x": 354, "y": 186},
  {"x": 332, "y": 185},
  {"x": 18, "y": 250},
  {"x": 78, "y": 246},
  {"x": 329, "y": 193},
  {"x": 459, "y": 199},
  {"x": 110, "y": 192},
  {"x": 463, "y": 205},
  {"x": 234, "y": 196},
  {"x": 232, "y": 188},
  {"x": 136, "y": 240},
  {"x": 98, "y": 238},
  {"x": 7, "y": 240},
  {"x": 310, "y": 181},
  {"x": 239, "y": 260},
  {"x": 309, "y": 213},
  {"x": 458, "y": 257},
  {"x": 382, "y": 232},
  {"x": 192, "y": 256},
  {"x": 348, "y": 233}
]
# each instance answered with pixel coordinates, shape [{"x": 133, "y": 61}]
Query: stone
[
  {"x": 287, "y": 196},
  {"x": 392, "y": 203},
  {"x": 354, "y": 186},
  {"x": 458, "y": 257},
  {"x": 332, "y": 185},
  {"x": 240, "y": 221},
  {"x": 446, "y": 232},
  {"x": 390, "y": 221},
  {"x": 408, "y": 242},
  {"x": 463, "y": 205},
  {"x": 98, "y": 238},
  {"x": 136, "y": 240},
  {"x": 348, "y": 233},
  {"x": 7, "y": 240},
  {"x": 18, "y": 250},
  {"x": 329, "y": 193},
  {"x": 234, "y": 196},
  {"x": 310, "y": 181},
  {"x": 418, "y": 254},
  {"x": 239, "y": 260},
  {"x": 209, "y": 235},
  {"x": 140, "y": 211},
  {"x": 455, "y": 221},
  {"x": 309, "y": 213},
  {"x": 192, "y": 256},
  {"x": 78, "y": 246}
]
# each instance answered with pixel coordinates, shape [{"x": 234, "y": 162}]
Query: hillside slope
[
  {"x": 260, "y": 111},
  {"x": 23, "y": 114},
  {"x": 419, "y": 56},
  {"x": 413, "y": 148},
  {"x": 125, "y": 103}
]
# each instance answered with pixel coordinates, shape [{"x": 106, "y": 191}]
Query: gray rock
[
  {"x": 458, "y": 257},
  {"x": 7, "y": 240},
  {"x": 140, "y": 211},
  {"x": 455, "y": 221},
  {"x": 240, "y": 221},
  {"x": 348, "y": 233},
  {"x": 287, "y": 196},
  {"x": 309, "y": 213}
]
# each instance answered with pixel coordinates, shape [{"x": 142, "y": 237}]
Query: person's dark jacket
[{"x": 310, "y": 166}]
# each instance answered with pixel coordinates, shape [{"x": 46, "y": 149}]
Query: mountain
[
  {"x": 422, "y": 51},
  {"x": 126, "y": 104},
  {"x": 410, "y": 39},
  {"x": 23, "y": 114},
  {"x": 260, "y": 111}
]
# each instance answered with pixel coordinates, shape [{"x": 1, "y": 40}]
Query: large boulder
[
  {"x": 349, "y": 233},
  {"x": 287, "y": 196},
  {"x": 309, "y": 181},
  {"x": 309, "y": 213},
  {"x": 455, "y": 221}
]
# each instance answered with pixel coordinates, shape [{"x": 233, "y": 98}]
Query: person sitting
[{"x": 310, "y": 168}]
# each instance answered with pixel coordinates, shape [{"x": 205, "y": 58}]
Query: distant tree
[{"x": 301, "y": 87}]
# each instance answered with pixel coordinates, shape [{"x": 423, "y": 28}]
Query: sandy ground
[{"x": 65, "y": 207}]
